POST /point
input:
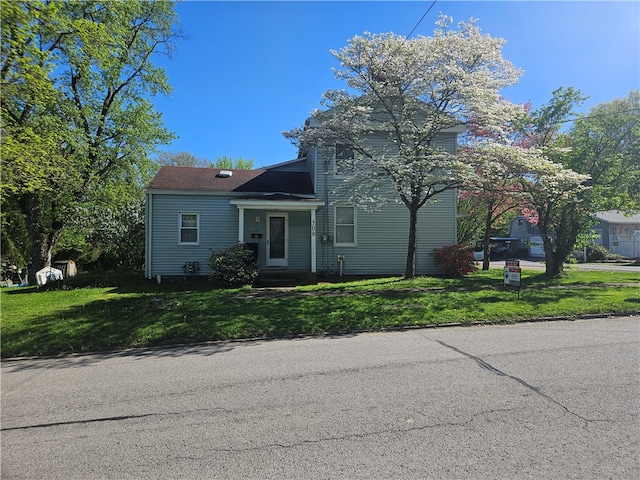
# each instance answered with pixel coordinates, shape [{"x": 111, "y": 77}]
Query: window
[
  {"x": 189, "y": 228},
  {"x": 345, "y": 225},
  {"x": 598, "y": 233},
  {"x": 344, "y": 159}
]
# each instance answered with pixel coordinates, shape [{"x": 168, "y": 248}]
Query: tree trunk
[
  {"x": 552, "y": 268},
  {"x": 556, "y": 251},
  {"x": 486, "y": 248},
  {"x": 44, "y": 232},
  {"x": 42, "y": 251},
  {"x": 410, "y": 270}
]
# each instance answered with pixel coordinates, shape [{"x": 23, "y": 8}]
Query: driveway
[{"x": 526, "y": 401}]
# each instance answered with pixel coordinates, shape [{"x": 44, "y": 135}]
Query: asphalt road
[
  {"x": 529, "y": 401},
  {"x": 538, "y": 264}
]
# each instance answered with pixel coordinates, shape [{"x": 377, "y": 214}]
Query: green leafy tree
[
  {"x": 605, "y": 145},
  {"x": 405, "y": 93},
  {"x": 227, "y": 162},
  {"x": 186, "y": 159},
  {"x": 557, "y": 195},
  {"x": 107, "y": 232},
  {"x": 76, "y": 116},
  {"x": 555, "y": 191},
  {"x": 591, "y": 167},
  {"x": 181, "y": 159}
]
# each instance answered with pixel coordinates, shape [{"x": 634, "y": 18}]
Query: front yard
[{"x": 127, "y": 313}]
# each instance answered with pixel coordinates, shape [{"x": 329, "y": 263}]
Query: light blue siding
[
  {"x": 218, "y": 229},
  {"x": 382, "y": 236}
]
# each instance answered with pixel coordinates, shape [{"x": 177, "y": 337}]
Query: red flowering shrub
[{"x": 455, "y": 260}]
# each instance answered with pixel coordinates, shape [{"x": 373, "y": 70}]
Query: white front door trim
[{"x": 279, "y": 256}]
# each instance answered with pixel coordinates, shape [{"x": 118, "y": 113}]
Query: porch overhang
[
  {"x": 280, "y": 202},
  {"x": 305, "y": 204}
]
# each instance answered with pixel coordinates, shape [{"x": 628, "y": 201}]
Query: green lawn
[{"x": 118, "y": 313}]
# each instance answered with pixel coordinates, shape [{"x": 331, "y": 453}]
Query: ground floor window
[
  {"x": 345, "y": 225},
  {"x": 189, "y": 228}
]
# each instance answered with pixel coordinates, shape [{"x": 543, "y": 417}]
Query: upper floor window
[
  {"x": 345, "y": 225},
  {"x": 344, "y": 158},
  {"x": 189, "y": 228}
]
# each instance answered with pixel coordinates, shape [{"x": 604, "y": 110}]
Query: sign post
[{"x": 512, "y": 274}]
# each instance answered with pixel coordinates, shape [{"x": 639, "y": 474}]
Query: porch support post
[
  {"x": 313, "y": 240},
  {"x": 240, "y": 225}
]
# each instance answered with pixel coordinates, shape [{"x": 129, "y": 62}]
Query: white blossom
[{"x": 401, "y": 95}]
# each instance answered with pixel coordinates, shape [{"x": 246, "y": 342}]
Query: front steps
[{"x": 285, "y": 278}]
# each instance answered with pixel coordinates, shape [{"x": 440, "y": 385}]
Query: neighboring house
[
  {"x": 289, "y": 215},
  {"x": 529, "y": 243},
  {"x": 618, "y": 232}
]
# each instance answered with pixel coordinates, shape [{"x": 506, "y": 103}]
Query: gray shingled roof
[
  {"x": 247, "y": 181},
  {"x": 616, "y": 216}
]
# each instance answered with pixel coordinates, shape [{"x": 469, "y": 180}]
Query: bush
[
  {"x": 233, "y": 267},
  {"x": 97, "y": 279},
  {"x": 597, "y": 253},
  {"x": 455, "y": 260}
]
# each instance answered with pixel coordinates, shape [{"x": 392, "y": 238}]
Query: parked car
[{"x": 499, "y": 248}]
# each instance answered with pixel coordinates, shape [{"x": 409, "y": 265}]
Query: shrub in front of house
[
  {"x": 233, "y": 267},
  {"x": 598, "y": 253},
  {"x": 455, "y": 260}
]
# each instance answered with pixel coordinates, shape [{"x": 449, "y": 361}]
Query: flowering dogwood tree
[
  {"x": 496, "y": 156},
  {"x": 402, "y": 94},
  {"x": 603, "y": 147},
  {"x": 495, "y": 184},
  {"x": 555, "y": 192}
]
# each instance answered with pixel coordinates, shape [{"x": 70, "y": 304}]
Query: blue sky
[{"x": 250, "y": 70}]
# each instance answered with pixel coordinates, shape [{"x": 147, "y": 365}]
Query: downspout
[
  {"x": 313, "y": 239},
  {"x": 325, "y": 216}
]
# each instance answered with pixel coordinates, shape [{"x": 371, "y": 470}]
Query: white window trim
[
  {"x": 335, "y": 227},
  {"x": 197, "y": 228}
]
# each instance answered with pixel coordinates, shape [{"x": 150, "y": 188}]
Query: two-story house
[{"x": 291, "y": 216}]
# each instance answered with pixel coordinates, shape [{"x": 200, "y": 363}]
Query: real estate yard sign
[{"x": 512, "y": 274}]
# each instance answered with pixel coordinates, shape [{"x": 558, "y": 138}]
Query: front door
[{"x": 277, "y": 240}]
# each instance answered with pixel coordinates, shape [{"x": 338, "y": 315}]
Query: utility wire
[
  {"x": 404, "y": 40},
  {"x": 423, "y": 17}
]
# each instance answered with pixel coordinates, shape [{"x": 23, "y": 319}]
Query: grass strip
[{"x": 137, "y": 313}]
